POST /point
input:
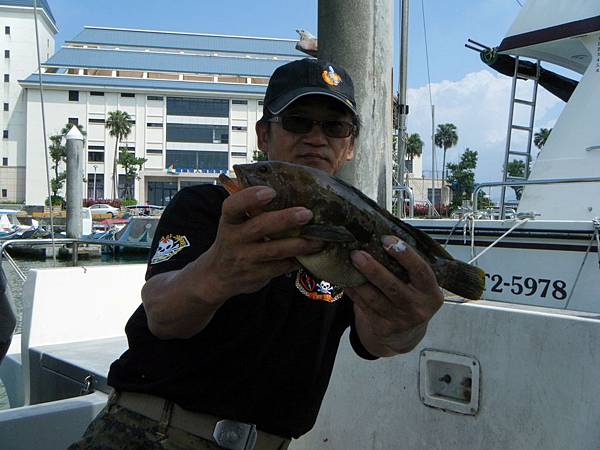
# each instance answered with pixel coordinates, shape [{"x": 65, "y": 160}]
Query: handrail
[
  {"x": 411, "y": 200},
  {"x": 480, "y": 186}
]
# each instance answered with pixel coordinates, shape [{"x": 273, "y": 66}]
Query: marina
[{"x": 517, "y": 369}]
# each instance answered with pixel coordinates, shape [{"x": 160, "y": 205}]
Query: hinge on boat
[{"x": 87, "y": 387}]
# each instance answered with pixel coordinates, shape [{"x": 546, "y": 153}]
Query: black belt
[{"x": 229, "y": 434}]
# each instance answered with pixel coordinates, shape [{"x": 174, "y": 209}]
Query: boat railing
[
  {"x": 75, "y": 243},
  {"x": 411, "y": 200},
  {"x": 480, "y": 186}
]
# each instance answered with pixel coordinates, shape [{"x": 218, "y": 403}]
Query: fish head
[{"x": 295, "y": 184}]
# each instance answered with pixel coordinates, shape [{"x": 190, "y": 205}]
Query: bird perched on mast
[{"x": 308, "y": 43}]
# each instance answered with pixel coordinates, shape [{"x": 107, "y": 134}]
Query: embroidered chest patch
[
  {"x": 317, "y": 290},
  {"x": 169, "y": 246}
]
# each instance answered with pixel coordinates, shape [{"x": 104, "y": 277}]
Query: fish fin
[
  {"x": 327, "y": 233},
  {"x": 460, "y": 278},
  {"x": 229, "y": 184}
]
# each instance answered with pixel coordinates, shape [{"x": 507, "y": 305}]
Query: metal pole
[
  {"x": 74, "y": 185},
  {"x": 432, "y": 159},
  {"x": 402, "y": 106},
  {"x": 95, "y": 167},
  {"x": 358, "y": 35}
]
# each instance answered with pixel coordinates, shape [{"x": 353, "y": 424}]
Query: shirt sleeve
[{"x": 186, "y": 229}]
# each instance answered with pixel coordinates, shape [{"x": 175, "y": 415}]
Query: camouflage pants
[{"x": 117, "y": 428}]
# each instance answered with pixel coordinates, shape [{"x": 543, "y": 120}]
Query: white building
[
  {"x": 19, "y": 60},
  {"x": 194, "y": 99}
]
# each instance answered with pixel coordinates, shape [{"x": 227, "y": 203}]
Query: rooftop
[
  {"x": 29, "y": 3},
  {"x": 87, "y": 58},
  {"x": 169, "y": 40},
  {"x": 118, "y": 84}
]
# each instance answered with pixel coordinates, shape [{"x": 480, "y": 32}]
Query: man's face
[{"x": 313, "y": 148}]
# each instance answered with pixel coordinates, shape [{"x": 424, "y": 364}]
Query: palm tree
[
  {"x": 540, "y": 138},
  {"x": 445, "y": 137},
  {"x": 119, "y": 126},
  {"x": 414, "y": 147}
]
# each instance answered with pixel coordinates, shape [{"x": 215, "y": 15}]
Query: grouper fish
[{"x": 345, "y": 219}]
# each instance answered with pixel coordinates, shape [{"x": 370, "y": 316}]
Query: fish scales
[{"x": 346, "y": 220}]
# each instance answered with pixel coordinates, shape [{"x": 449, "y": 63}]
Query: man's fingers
[
  {"x": 237, "y": 207},
  {"x": 419, "y": 272},
  {"x": 279, "y": 249}
]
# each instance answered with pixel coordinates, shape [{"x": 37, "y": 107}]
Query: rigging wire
[
  {"x": 37, "y": 46},
  {"x": 519, "y": 2},
  {"x": 433, "y": 162}
]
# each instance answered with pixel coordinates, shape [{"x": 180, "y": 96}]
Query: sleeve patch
[{"x": 169, "y": 246}]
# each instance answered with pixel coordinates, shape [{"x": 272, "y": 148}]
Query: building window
[
  {"x": 127, "y": 94},
  {"x": 236, "y": 128},
  {"x": 5, "y": 161},
  {"x": 7, "y": 54},
  {"x": 97, "y": 94},
  {"x": 73, "y": 96},
  {"x": 197, "y": 160},
  {"x": 239, "y": 102},
  {"x": 6, "y": 30},
  {"x": 408, "y": 165},
  {"x": 188, "y": 132},
  {"x": 204, "y": 107},
  {"x": 155, "y": 98},
  {"x": 95, "y": 156},
  {"x": 6, "y": 78},
  {"x": 97, "y": 121},
  {"x": 5, "y": 106},
  {"x": 5, "y": 134},
  {"x": 95, "y": 185},
  {"x": 154, "y": 151},
  {"x": 239, "y": 154},
  {"x": 73, "y": 120},
  {"x": 4, "y": 193},
  {"x": 154, "y": 125},
  {"x": 260, "y": 103}
]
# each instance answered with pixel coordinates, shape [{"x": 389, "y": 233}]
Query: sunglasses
[{"x": 301, "y": 125}]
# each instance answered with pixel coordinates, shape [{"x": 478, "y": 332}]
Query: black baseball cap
[{"x": 308, "y": 76}]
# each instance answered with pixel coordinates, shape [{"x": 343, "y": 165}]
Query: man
[{"x": 235, "y": 342}]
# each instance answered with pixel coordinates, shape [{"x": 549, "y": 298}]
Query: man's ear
[
  {"x": 350, "y": 151},
  {"x": 262, "y": 135}
]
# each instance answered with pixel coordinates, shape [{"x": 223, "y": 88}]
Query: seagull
[{"x": 307, "y": 43}]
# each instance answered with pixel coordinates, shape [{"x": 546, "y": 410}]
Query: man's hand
[
  {"x": 392, "y": 315},
  {"x": 243, "y": 259},
  {"x": 181, "y": 303}
]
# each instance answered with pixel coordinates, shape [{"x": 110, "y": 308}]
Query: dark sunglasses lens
[
  {"x": 296, "y": 124},
  {"x": 337, "y": 129}
]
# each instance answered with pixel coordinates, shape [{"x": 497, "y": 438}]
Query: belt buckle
[{"x": 233, "y": 435}]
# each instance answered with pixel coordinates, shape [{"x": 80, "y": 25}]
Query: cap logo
[{"x": 331, "y": 77}]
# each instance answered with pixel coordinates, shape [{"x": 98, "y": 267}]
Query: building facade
[
  {"x": 194, "y": 100},
  {"x": 18, "y": 61}
]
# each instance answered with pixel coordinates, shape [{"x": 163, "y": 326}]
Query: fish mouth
[{"x": 241, "y": 176}]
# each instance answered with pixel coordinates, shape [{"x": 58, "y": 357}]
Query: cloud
[{"x": 478, "y": 105}]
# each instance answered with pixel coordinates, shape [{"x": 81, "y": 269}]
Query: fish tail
[{"x": 460, "y": 278}]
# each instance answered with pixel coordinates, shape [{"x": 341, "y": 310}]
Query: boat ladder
[{"x": 511, "y": 151}]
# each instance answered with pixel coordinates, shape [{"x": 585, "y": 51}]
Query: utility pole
[
  {"x": 402, "y": 106},
  {"x": 74, "y": 185},
  {"x": 358, "y": 35}
]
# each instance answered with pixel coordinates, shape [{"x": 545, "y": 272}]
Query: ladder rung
[
  {"x": 519, "y": 127},
  {"x": 527, "y": 77},
  {"x": 524, "y": 102},
  {"x": 514, "y": 152}
]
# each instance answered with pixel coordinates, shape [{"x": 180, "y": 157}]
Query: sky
[{"x": 464, "y": 91}]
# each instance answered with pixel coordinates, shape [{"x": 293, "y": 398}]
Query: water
[{"x": 16, "y": 285}]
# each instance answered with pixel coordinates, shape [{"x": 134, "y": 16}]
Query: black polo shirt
[{"x": 265, "y": 358}]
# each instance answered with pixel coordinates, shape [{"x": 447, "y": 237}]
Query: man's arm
[
  {"x": 391, "y": 316},
  {"x": 180, "y": 303}
]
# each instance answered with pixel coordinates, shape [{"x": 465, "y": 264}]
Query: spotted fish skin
[{"x": 346, "y": 220}]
